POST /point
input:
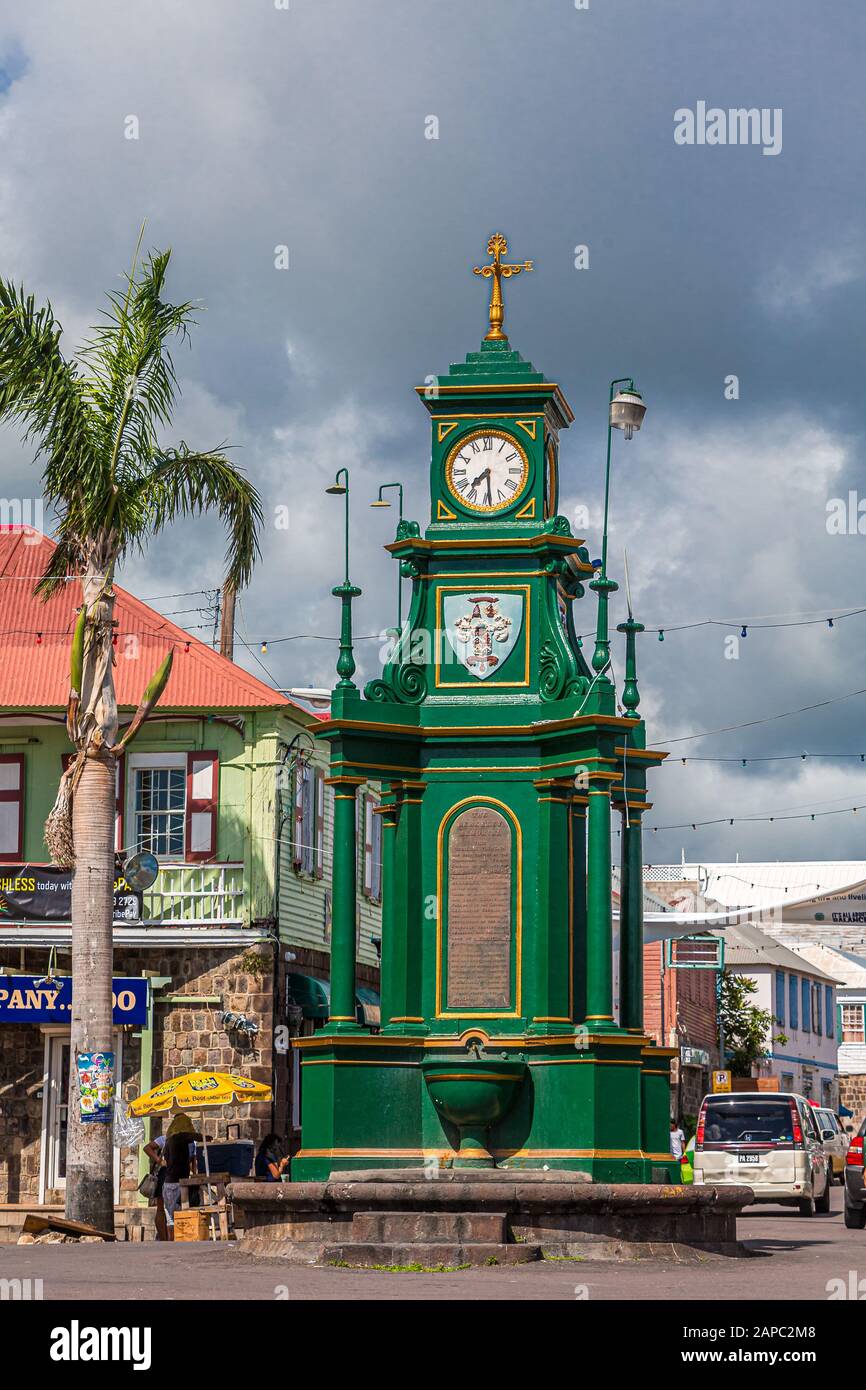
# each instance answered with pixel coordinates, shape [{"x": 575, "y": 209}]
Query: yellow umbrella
[{"x": 199, "y": 1090}]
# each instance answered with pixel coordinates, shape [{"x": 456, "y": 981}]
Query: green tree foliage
[{"x": 745, "y": 1030}]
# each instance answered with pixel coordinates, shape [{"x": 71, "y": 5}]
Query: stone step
[
  {"x": 429, "y": 1227},
  {"x": 364, "y": 1254}
]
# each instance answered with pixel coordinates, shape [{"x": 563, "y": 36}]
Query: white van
[{"x": 767, "y": 1140}]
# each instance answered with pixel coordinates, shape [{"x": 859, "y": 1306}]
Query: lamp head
[
  {"x": 336, "y": 489},
  {"x": 627, "y": 411},
  {"x": 381, "y": 503}
]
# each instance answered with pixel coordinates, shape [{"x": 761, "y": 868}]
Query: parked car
[
  {"x": 769, "y": 1141},
  {"x": 687, "y": 1162},
  {"x": 836, "y": 1141},
  {"x": 855, "y": 1188}
]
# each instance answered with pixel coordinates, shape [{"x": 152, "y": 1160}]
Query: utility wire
[{"x": 768, "y": 719}]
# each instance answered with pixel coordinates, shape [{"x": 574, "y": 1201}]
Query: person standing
[
  {"x": 154, "y": 1151},
  {"x": 678, "y": 1139},
  {"x": 179, "y": 1158}
]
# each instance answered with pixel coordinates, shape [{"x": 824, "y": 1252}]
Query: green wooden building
[{"x": 226, "y": 785}]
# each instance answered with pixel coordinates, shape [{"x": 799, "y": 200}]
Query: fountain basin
[{"x": 473, "y": 1093}]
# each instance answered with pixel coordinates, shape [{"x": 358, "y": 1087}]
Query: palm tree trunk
[{"x": 89, "y": 1152}]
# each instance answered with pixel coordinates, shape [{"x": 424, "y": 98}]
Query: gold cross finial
[{"x": 497, "y": 247}]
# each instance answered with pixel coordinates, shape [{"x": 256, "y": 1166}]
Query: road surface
[{"x": 791, "y": 1258}]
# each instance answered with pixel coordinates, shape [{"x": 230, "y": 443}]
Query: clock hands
[{"x": 481, "y": 477}]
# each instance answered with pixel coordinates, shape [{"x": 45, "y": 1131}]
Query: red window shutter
[
  {"x": 320, "y": 823},
  {"x": 202, "y": 793},
  {"x": 11, "y": 808},
  {"x": 120, "y": 798}
]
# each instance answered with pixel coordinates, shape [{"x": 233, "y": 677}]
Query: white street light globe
[{"x": 627, "y": 411}]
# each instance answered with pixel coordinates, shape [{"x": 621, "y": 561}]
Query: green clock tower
[{"x": 503, "y": 761}]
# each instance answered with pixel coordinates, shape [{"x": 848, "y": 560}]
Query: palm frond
[
  {"x": 46, "y": 393},
  {"x": 185, "y": 483},
  {"x": 132, "y": 374},
  {"x": 67, "y": 559}
]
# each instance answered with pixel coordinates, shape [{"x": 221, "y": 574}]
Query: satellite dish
[{"x": 141, "y": 870}]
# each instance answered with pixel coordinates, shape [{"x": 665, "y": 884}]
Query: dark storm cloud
[{"x": 262, "y": 128}]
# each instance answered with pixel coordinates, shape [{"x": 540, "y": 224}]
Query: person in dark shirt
[
  {"x": 179, "y": 1157},
  {"x": 271, "y": 1159}
]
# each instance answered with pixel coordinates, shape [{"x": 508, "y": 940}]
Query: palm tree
[{"x": 94, "y": 418}]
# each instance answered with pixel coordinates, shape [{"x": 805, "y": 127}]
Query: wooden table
[{"x": 215, "y": 1201}]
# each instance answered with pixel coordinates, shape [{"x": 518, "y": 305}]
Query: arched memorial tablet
[{"x": 479, "y": 910}]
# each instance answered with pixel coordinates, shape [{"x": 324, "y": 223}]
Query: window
[
  {"x": 11, "y": 807},
  {"x": 852, "y": 1023},
  {"x": 807, "y": 1012},
  {"x": 780, "y": 997},
  {"x": 793, "y": 1002},
  {"x": 308, "y": 820},
  {"x": 372, "y": 823},
  {"x": 816, "y": 1009},
  {"x": 160, "y": 810},
  {"x": 787, "y": 1080},
  {"x": 829, "y": 1011},
  {"x": 747, "y": 1121}
]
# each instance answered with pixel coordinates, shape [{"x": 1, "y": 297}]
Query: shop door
[
  {"x": 58, "y": 1110},
  {"x": 55, "y": 1115}
]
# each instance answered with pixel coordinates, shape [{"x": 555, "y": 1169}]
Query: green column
[
  {"x": 343, "y": 1018},
  {"x": 412, "y": 1016},
  {"x": 547, "y": 1003},
  {"x": 578, "y": 909},
  {"x": 631, "y": 924},
  {"x": 599, "y": 924}
]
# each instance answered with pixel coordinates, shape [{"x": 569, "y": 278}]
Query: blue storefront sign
[{"x": 29, "y": 999}]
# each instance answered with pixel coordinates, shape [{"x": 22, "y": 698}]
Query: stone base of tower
[
  {"x": 455, "y": 1217},
  {"x": 598, "y": 1104}
]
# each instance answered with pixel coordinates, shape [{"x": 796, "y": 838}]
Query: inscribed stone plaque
[{"x": 479, "y": 910}]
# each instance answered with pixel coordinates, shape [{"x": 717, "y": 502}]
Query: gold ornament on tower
[{"x": 497, "y": 247}]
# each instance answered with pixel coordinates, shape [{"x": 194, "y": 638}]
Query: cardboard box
[{"x": 191, "y": 1225}]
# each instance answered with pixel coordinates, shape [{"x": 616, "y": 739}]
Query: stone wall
[{"x": 852, "y": 1093}]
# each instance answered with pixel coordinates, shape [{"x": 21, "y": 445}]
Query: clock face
[{"x": 487, "y": 471}]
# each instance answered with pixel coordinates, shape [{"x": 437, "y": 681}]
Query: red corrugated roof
[{"x": 35, "y": 674}]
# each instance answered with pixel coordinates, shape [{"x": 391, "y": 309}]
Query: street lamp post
[
  {"x": 381, "y": 502},
  {"x": 625, "y": 412},
  {"x": 345, "y": 592},
  {"x": 341, "y": 1014}
]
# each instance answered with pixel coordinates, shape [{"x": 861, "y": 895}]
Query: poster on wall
[
  {"x": 95, "y": 1087},
  {"x": 41, "y": 893}
]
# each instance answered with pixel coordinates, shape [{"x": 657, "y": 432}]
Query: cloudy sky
[{"x": 261, "y": 126}]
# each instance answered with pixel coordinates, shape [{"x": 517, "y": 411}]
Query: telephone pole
[{"x": 227, "y": 622}]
